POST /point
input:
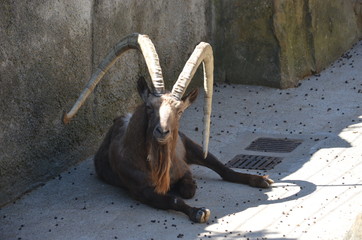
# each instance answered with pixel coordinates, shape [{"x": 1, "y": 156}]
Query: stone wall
[
  {"x": 45, "y": 51},
  {"x": 277, "y": 43},
  {"x": 246, "y": 49},
  {"x": 48, "y": 50}
]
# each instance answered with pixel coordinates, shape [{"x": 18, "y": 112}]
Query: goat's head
[
  {"x": 163, "y": 112},
  {"x": 163, "y": 109}
]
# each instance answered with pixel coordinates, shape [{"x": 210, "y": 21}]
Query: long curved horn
[
  {"x": 132, "y": 41},
  {"x": 202, "y": 53}
]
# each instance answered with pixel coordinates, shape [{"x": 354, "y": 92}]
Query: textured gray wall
[
  {"x": 45, "y": 51},
  {"x": 276, "y": 43}
]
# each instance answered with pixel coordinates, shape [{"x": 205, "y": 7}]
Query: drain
[
  {"x": 254, "y": 162},
  {"x": 276, "y": 145}
]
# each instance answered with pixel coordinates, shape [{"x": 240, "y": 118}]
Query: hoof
[
  {"x": 261, "y": 181},
  {"x": 200, "y": 215}
]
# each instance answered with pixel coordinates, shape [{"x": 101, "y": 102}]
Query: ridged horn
[
  {"x": 202, "y": 53},
  {"x": 132, "y": 41}
]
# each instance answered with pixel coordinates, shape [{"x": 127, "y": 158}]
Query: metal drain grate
[
  {"x": 255, "y": 162},
  {"x": 277, "y": 145}
]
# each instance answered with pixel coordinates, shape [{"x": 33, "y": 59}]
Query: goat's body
[{"x": 125, "y": 163}]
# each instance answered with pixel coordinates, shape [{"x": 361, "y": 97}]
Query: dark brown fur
[{"x": 148, "y": 156}]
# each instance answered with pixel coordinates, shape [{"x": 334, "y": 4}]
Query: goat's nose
[{"x": 161, "y": 132}]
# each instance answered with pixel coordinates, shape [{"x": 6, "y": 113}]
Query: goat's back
[{"x": 102, "y": 158}]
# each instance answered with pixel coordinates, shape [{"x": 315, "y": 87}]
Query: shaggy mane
[{"x": 160, "y": 158}]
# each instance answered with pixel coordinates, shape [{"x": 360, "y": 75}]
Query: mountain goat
[{"x": 145, "y": 152}]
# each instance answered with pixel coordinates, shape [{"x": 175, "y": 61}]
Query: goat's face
[{"x": 164, "y": 112}]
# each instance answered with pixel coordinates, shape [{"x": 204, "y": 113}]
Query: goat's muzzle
[{"x": 161, "y": 135}]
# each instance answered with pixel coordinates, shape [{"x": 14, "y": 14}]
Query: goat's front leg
[
  {"x": 186, "y": 186},
  {"x": 148, "y": 196},
  {"x": 194, "y": 155}
]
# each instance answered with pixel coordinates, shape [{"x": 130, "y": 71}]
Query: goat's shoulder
[
  {"x": 179, "y": 166},
  {"x": 122, "y": 120},
  {"x": 180, "y": 150}
]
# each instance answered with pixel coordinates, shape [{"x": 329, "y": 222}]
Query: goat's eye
[{"x": 180, "y": 113}]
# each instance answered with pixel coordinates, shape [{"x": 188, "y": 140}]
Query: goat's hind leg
[
  {"x": 105, "y": 172},
  {"x": 194, "y": 155},
  {"x": 169, "y": 202}
]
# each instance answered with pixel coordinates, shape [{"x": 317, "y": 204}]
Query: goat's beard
[{"x": 160, "y": 163}]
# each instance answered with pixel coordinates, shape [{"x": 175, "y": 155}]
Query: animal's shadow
[{"x": 224, "y": 199}]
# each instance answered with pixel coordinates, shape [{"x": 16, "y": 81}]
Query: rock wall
[
  {"x": 45, "y": 51},
  {"x": 246, "y": 49},
  {"x": 48, "y": 50},
  {"x": 277, "y": 43}
]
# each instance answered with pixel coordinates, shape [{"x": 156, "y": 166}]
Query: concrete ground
[{"x": 318, "y": 186}]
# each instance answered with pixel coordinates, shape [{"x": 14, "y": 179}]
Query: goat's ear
[
  {"x": 190, "y": 98},
  {"x": 143, "y": 89}
]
